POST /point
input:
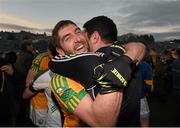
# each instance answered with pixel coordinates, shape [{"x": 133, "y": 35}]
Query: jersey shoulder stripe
[
  {"x": 40, "y": 63},
  {"x": 68, "y": 92}
]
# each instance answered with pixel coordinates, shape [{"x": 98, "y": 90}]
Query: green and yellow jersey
[
  {"x": 39, "y": 65},
  {"x": 68, "y": 94}
]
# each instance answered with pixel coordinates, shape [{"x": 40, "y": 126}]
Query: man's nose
[{"x": 77, "y": 38}]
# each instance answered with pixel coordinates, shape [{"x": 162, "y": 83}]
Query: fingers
[
  {"x": 8, "y": 69},
  {"x": 135, "y": 50},
  {"x": 4, "y": 67}
]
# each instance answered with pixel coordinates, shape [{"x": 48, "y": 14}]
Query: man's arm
[
  {"x": 27, "y": 92},
  {"x": 31, "y": 74},
  {"x": 103, "y": 111},
  {"x": 40, "y": 83}
]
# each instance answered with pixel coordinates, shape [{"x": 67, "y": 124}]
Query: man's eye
[
  {"x": 78, "y": 31},
  {"x": 67, "y": 38}
]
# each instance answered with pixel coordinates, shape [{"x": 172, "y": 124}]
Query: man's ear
[
  {"x": 95, "y": 37},
  {"x": 60, "y": 51}
]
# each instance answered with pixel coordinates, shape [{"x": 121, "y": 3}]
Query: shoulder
[
  {"x": 65, "y": 83},
  {"x": 67, "y": 91},
  {"x": 40, "y": 63},
  {"x": 41, "y": 56}
]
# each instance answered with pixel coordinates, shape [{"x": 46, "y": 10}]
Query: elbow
[
  {"x": 27, "y": 94},
  {"x": 24, "y": 96}
]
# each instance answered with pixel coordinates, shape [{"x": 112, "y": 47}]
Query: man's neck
[{"x": 103, "y": 44}]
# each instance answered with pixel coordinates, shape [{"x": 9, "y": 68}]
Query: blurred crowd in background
[{"x": 14, "y": 109}]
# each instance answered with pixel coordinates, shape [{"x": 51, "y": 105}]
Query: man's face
[
  {"x": 30, "y": 48},
  {"x": 72, "y": 40}
]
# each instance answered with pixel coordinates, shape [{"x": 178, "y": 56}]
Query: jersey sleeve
[
  {"x": 40, "y": 67},
  {"x": 67, "y": 91},
  {"x": 40, "y": 63}
]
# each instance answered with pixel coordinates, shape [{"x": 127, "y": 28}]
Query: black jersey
[
  {"x": 79, "y": 67},
  {"x": 130, "y": 109}
]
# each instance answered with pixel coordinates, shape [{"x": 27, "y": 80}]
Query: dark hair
[
  {"x": 25, "y": 44},
  {"x": 52, "y": 47},
  {"x": 104, "y": 26},
  {"x": 11, "y": 57},
  {"x": 58, "y": 26}
]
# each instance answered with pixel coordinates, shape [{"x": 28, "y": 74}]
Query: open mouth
[{"x": 79, "y": 47}]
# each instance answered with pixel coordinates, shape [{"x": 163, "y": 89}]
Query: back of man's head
[
  {"x": 104, "y": 26},
  {"x": 57, "y": 27}
]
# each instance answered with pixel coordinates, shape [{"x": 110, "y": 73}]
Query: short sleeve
[{"x": 67, "y": 91}]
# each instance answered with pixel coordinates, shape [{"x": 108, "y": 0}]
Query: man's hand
[
  {"x": 135, "y": 50},
  {"x": 8, "y": 69},
  {"x": 113, "y": 75}
]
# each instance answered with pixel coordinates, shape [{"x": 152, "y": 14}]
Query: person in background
[
  {"x": 38, "y": 102},
  {"x": 147, "y": 86},
  {"x": 162, "y": 78},
  {"x": 18, "y": 73},
  {"x": 176, "y": 85},
  {"x": 153, "y": 59},
  {"x": 7, "y": 90},
  {"x": 43, "y": 111},
  {"x": 173, "y": 53}
]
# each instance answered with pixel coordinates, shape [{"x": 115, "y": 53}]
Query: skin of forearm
[
  {"x": 27, "y": 93},
  {"x": 107, "y": 107},
  {"x": 103, "y": 111},
  {"x": 30, "y": 77}
]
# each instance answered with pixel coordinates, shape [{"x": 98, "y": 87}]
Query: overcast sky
[{"x": 161, "y": 18}]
